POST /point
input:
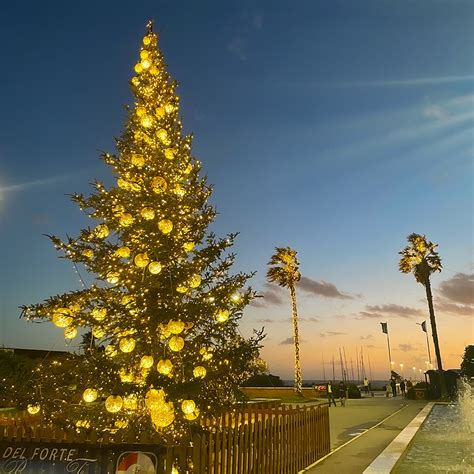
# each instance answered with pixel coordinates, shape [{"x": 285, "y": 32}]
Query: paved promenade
[{"x": 361, "y": 430}]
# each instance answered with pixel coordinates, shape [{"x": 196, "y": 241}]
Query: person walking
[
  {"x": 329, "y": 389},
  {"x": 342, "y": 393},
  {"x": 366, "y": 385},
  {"x": 393, "y": 384},
  {"x": 402, "y": 387}
]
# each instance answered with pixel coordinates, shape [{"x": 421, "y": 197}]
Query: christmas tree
[{"x": 163, "y": 311}]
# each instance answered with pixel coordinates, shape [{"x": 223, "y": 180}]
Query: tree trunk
[
  {"x": 296, "y": 340},
  {"x": 434, "y": 331}
]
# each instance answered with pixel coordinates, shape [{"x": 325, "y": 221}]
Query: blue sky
[{"x": 335, "y": 127}]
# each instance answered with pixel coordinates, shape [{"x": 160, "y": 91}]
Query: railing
[{"x": 255, "y": 440}]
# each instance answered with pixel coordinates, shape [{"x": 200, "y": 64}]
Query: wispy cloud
[
  {"x": 289, "y": 340},
  {"x": 459, "y": 288},
  {"x": 272, "y": 295},
  {"x": 389, "y": 310},
  {"x": 405, "y": 82},
  {"x": 33, "y": 184},
  {"x": 321, "y": 288},
  {"x": 332, "y": 333},
  {"x": 405, "y": 347}
]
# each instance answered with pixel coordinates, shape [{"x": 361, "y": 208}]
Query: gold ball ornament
[
  {"x": 113, "y": 404},
  {"x": 99, "y": 313},
  {"x": 164, "y": 367},
  {"x": 176, "y": 343},
  {"x": 98, "y": 332},
  {"x": 130, "y": 402},
  {"x": 165, "y": 226},
  {"x": 147, "y": 213},
  {"x": 160, "y": 112},
  {"x": 199, "y": 372},
  {"x": 89, "y": 395},
  {"x": 138, "y": 68},
  {"x": 88, "y": 253},
  {"x": 127, "y": 344},
  {"x": 194, "y": 281},
  {"x": 159, "y": 185},
  {"x": 126, "y": 220},
  {"x": 188, "y": 246},
  {"x": 179, "y": 190},
  {"x": 61, "y": 318},
  {"x": 144, "y": 54},
  {"x": 127, "y": 299},
  {"x": 147, "y": 40},
  {"x": 146, "y": 362},
  {"x": 121, "y": 424},
  {"x": 146, "y": 121},
  {"x": 141, "y": 111},
  {"x": 154, "y": 71},
  {"x": 169, "y": 108},
  {"x": 182, "y": 289},
  {"x": 141, "y": 260},
  {"x": 188, "y": 406},
  {"x": 135, "y": 81},
  {"x": 113, "y": 277},
  {"x": 176, "y": 327},
  {"x": 162, "y": 135},
  {"x": 33, "y": 409},
  {"x": 110, "y": 351},
  {"x": 192, "y": 416},
  {"x": 154, "y": 268},
  {"x": 222, "y": 315},
  {"x": 123, "y": 184},
  {"x": 146, "y": 63},
  {"x": 169, "y": 153},
  {"x": 162, "y": 419},
  {"x": 101, "y": 231},
  {"x": 137, "y": 160},
  {"x": 70, "y": 333},
  {"x": 125, "y": 377},
  {"x": 154, "y": 399},
  {"x": 123, "y": 252}
]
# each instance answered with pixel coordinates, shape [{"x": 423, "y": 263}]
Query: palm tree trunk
[
  {"x": 434, "y": 331},
  {"x": 296, "y": 340}
]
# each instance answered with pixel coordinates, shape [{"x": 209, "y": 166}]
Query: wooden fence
[{"x": 255, "y": 440}]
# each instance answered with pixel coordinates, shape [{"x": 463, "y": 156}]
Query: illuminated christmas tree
[{"x": 164, "y": 309}]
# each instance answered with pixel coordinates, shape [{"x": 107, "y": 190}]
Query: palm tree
[
  {"x": 421, "y": 258},
  {"x": 284, "y": 272}
]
